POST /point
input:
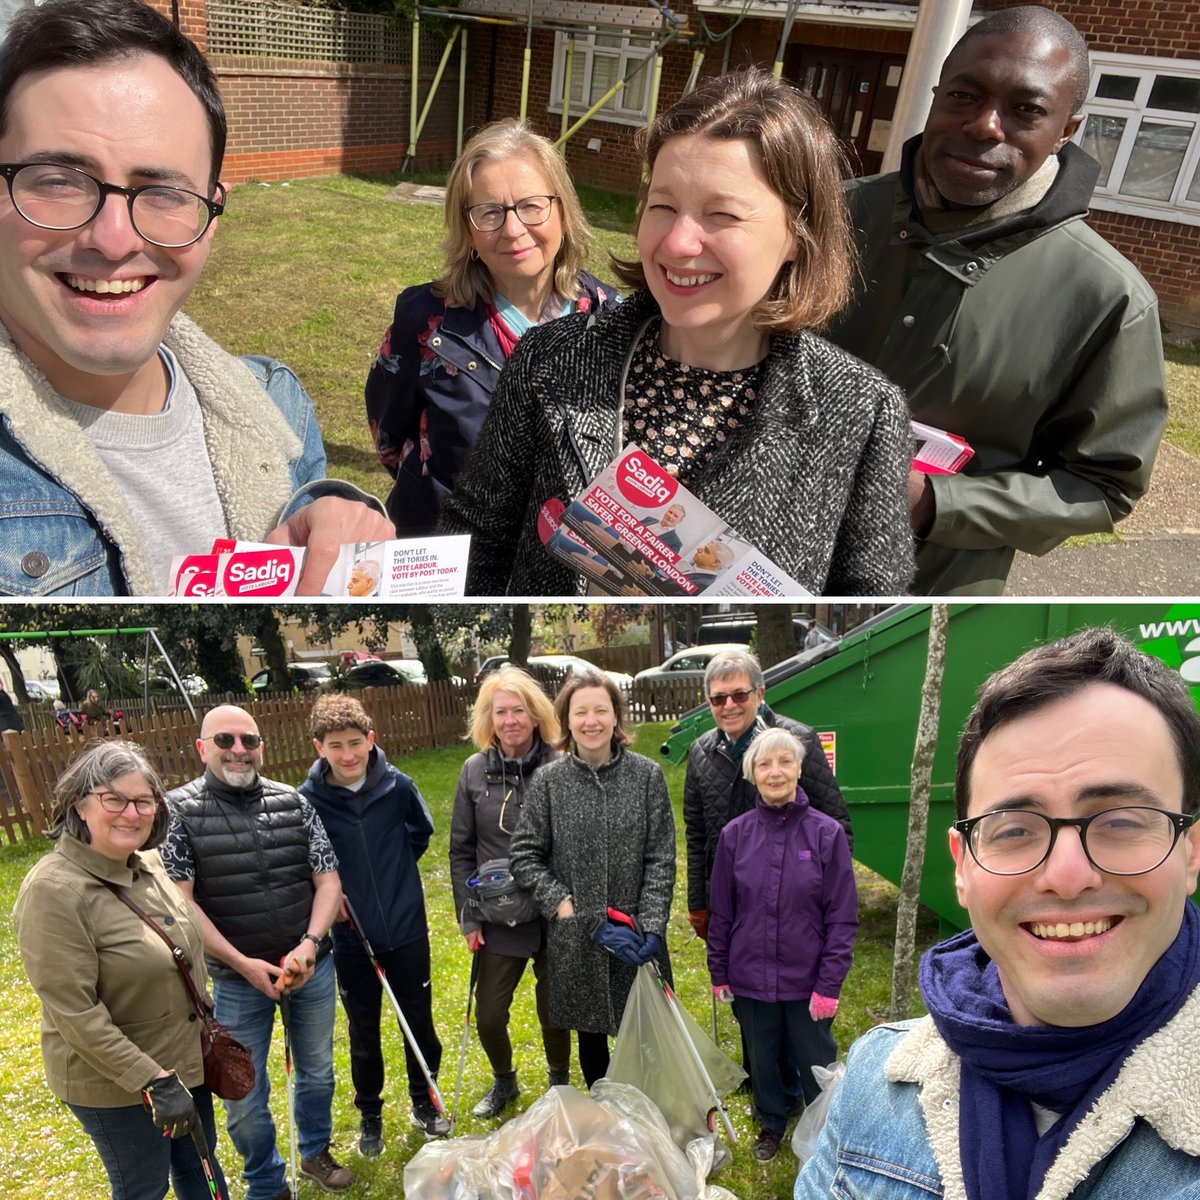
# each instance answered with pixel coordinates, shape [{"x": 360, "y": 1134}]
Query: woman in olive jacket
[
  {"x": 597, "y": 831},
  {"x": 514, "y": 726},
  {"x": 120, "y": 1041}
]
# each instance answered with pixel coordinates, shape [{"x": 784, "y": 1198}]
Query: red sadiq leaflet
[
  {"x": 195, "y": 575},
  {"x": 635, "y": 531},
  {"x": 939, "y": 452},
  {"x": 257, "y": 573}
]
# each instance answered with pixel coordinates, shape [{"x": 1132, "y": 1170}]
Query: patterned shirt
[{"x": 683, "y": 415}]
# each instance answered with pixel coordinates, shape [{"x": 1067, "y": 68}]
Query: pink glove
[
  {"x": 722, "y": 993},
  {"x": 820, "y": 1008}
]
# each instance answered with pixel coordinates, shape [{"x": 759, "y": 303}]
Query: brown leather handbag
[{"x": 228, "y": 1067}]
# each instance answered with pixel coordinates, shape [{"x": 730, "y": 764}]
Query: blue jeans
[
  {"x": 250, "y": 1016},
  {"x": 140, "y": 1161}
]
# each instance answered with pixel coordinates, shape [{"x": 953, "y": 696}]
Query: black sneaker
[
  {"x": 428, "y": 1119},
  {"x": 499, "y": 1096},
  {"x": 767, "y": 1145},
  {"x": 370, "y": 1136},
  {"x": 558, "y": 1078}
]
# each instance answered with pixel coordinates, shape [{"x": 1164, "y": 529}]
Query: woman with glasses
[
  {"x": 516, "y": 240},
  {"x": 516, "y": 732},
  {"x": 783, "y": 918},
  {"x": 120, "y": 1042},
  {"x": 713, "y": 366},
  {"x": 597, "y": 835}
]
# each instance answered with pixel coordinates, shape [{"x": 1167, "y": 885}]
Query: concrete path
[{"x": 1158, "y": 554}]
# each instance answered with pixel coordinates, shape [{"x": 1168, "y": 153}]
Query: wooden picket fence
[{"x": 406, "y": 719}]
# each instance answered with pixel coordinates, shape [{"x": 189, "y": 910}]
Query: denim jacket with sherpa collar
[
  {"x": 65, "y": 529},
  {"x": 892, "y": 1131}
]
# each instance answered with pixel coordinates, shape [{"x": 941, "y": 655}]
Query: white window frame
[
  {"x": 586, "y": 52},
  {"x": 1146, "y": 69}
]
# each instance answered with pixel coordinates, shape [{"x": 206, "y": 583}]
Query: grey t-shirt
[{"x": 160, "y": 464}]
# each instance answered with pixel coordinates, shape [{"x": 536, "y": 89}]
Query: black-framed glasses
[
  {"x": 226, "y": 741},
  {"x": 114, "y": 802},
  {"x": 719, "y": 699},
  {"x": 532, "y": 210},
  {"x": 1130, "y": 840},
  {"x": 51, "y": 196}
]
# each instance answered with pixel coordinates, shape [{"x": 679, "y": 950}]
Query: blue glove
[
  {"x": 651, "y": 945},
  {"x": 621, "y": 941}
]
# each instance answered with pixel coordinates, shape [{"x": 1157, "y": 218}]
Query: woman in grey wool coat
[{"x": 596, "y": 832}]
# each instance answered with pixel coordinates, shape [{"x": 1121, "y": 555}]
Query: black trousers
[
  {"x": 499, "y": 975},
  {"x": 407, "y": 971},
  {"x": 767, "y": 1028},
  {"x": 593, "y": 1055}
]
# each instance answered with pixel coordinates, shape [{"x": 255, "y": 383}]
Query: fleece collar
[
  {"x": 249, "y": 444},
  {"x": 1160, "y": 1083}
]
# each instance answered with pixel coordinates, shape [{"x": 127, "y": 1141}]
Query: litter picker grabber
[
  {"x": 716, "y": 1034},
  {"x": 201, "y": 1144},
  {"x": 434, "y": 1095},
  {"x": 673, "y": 1003},
  {"x": 285, "y": 1010},
  {"x": 466, "y": 1037}
]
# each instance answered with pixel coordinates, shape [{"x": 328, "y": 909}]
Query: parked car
[
  {"x": 306, "y": 677},
  {"x": 398, "y": 672},
  {"x": 43, "y": 689},
  {"x": 562, "y": 664},
  {"x": 689, "y": 664}
]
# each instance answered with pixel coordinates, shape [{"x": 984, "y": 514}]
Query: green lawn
[{"x": 44, "y": 1154}]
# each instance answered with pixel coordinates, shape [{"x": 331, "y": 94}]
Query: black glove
[
  {"x": 171, "y": 1106},
  {"x": 620, "y": 941},
  {"x": 651, "y": 945}
]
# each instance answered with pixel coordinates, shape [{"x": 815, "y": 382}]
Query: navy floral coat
[{"x": 428, "y": 392}]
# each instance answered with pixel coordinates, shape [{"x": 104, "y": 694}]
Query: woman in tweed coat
[
  {"x": 711, "y": 366},
  {"x": 596, "y": 831}
]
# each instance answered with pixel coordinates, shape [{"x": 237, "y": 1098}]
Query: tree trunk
[
  {"x": 918, "y": 814},
  {"x": 14, "y": 669},
  {"x": 424, "y": 634},
  {"x": 522, "y": 633},
  {"x": 270, "y": 638},
  {"x": 776, "y": 633}
]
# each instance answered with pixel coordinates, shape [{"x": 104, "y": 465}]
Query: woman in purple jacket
[{"x": 784, "y": 913}]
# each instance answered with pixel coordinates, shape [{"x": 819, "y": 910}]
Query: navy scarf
[{"x": 1007, "y": 1066}]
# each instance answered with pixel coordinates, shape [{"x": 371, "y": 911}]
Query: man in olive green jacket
[{"x": 1003, "y": 316}]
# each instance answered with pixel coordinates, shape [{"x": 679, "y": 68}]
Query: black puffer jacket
[
  {"x": 714, "y": 792},
  {"x": 250, "y": 853}
]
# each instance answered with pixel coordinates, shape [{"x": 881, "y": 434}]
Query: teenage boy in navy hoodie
[{"x": 379, "y": 826}]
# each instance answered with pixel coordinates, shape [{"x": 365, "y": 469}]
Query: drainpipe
[{"x": 940, "y": 23}]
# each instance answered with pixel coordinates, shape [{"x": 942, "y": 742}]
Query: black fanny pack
[{"x": 494, "y": 896}]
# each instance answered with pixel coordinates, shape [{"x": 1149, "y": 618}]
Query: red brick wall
[
  {"x": 1162, "y": 28},
  {"x": 289, "y": 118}
]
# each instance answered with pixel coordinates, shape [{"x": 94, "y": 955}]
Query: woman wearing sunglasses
[
  {"x": 516, "y": 241},
  {"x": 712, "y": 366},
  {"x": 120, "y": 1042},
  {"x": 514, "y": 726}
]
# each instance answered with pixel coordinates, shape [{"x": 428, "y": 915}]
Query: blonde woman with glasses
[
  {"x": 514, "y": 726},
  {"x": 516, "y": 240}
]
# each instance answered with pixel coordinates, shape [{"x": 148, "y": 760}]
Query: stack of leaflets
[
  {"x": 635, "y": 531},
  {"x": 425, "y": 567}
]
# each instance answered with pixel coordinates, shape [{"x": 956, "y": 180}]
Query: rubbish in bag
[
  {"x": 611, "y": 1145},
  {"x": 663, "y": 1052},
  {"x": 808, "y": 1129}
]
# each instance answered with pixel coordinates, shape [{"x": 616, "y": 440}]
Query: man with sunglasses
[
  {"x": 1061, "y": 1056},
  {"x": 127, "y": 436},
  {"x": 255, "y": 860}
]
